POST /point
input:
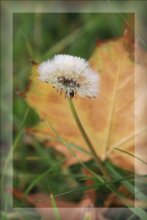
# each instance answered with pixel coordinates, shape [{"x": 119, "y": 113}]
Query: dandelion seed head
[{"x": 70, "y": 74}]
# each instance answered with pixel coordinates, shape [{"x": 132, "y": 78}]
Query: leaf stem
[{"x": 86, "y": 139}]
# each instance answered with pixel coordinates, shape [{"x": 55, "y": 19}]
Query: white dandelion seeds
[{"x": 70, "y": 74}]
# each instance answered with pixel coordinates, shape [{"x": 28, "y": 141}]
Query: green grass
[{"x": 55, "y": 208}]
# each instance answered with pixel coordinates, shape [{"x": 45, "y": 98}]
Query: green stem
[{"x": 88, "y": 142}]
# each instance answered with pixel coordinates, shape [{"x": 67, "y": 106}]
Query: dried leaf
[{"x": 109, "y": 119}]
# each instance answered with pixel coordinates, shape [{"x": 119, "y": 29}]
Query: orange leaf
[{"x": 109, "y": 119}]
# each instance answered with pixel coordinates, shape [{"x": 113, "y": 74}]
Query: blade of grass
[
  {"x": 13, "y": 147},
  {"x": 131, "y": 155},
  {"x": 79, "y": 148},
  {"x": 58, "y": 138},
  {"x": 140, "y": 213},
  {"x": 40, "y": 177},
  {"x": 133, "y": 189},
  {"x": 42, "y": 152},
  {"x": 131, "y": 217},
  {"x": 79, "y": 189},
  {"x": 55, "y": 208},
  {"x": 127, "y": 202}
]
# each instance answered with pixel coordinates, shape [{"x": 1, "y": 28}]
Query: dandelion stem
[{"x": 88, "y": 142}]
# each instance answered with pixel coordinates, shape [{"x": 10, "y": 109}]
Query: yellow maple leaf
[{"x": 108, "y": 120}]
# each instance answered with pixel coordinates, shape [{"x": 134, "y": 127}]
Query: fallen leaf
[{"x": 109, "y": 119}]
